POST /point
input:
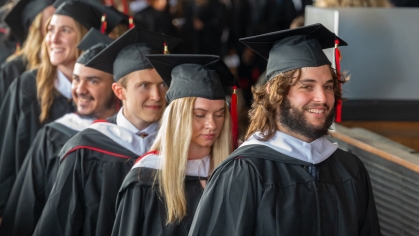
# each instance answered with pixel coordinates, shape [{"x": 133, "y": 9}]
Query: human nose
[
  {"x": 320, "y": 95},
  {"x": 54, "y": 36},
  {"x": 210, "y": 123},
  {"x": 81, "y": 87},
  {"x": 155, "y": 94}
]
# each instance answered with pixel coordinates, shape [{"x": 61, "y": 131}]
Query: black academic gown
[
  {"x": 82, "y": 201},
  {"x": 35, "y": 179},
  {"x": 21, "y": 126},
  {"x": 9, "y": 71},
  {"x": 141, "y": 209},
  {"x": 34, "y": 182},
  {"x": 258, "y": 191}
]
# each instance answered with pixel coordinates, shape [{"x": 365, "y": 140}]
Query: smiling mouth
[
  {"x": 81, "y": 99},
  {"x": 57, "y": 50},
  {"x": 154, "y": 107},
  {"x": 317, "y": 111}
]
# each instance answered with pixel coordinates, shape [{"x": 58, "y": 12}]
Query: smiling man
[
  {"x": 287, "y": 178},
  {"x": 94, "y": 162}
]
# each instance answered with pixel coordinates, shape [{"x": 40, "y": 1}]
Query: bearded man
[{"x": 287, "y": 178}]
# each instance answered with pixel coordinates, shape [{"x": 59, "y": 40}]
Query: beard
[
  {"x": 294, "y": 120},
  {"x": 109, "y": 103}
]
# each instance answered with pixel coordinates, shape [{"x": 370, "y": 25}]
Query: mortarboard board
[
  {"x": 88, "y": 13},
  {"x": 293, "y": 48},
  {"x": 20, "y": 18},
  {"x": 193, "y": 75},
  {"x": 126, "y": 54},
  {"x": 92, "y": 43}
]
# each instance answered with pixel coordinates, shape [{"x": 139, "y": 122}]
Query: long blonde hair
[
  {"x": 173, "y": 148},
  {"x": 31, "y": 48},
  {"x": 47, "y": 73}
]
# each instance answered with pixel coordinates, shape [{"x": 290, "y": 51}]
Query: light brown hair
[{"x": 263, "y": 111}]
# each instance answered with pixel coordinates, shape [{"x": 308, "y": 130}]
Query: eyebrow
[
  {"x": 88, "y": 77},
  {"x": 223, "y": 108},
  {"x": 93, "y": 77},
  {"x": 313, "y": 81}
]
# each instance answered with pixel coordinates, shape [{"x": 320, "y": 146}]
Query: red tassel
[
  {"x": 104, "y": 24},
  {"x": 131, "y": 22},
  {"x": 234, "y": 118},
  {"x": 338, "y": 117}
]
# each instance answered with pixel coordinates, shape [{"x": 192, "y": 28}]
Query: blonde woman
[
  {"x": 26, "y": 21},
  {"x": 44, "y": 94},
  {"x": 161, "y": 192}
]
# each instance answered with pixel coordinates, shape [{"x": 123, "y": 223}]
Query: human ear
[
  {"x": 119, "y": 91},
  {"x": 268, "y": 88}
]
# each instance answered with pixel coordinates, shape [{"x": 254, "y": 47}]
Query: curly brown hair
[{"x": 263, "y": 111}]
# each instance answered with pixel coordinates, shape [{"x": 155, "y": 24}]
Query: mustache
[
  {"x": 317, "y": 105},
  {"x": 84, "y": 96}
]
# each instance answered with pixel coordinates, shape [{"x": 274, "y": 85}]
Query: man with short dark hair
[{"x": 287, "y": 178}]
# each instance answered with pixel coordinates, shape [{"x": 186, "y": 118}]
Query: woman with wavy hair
[
  {"x": 44, "y": 94},
  {"x": 161, "y": 192}
]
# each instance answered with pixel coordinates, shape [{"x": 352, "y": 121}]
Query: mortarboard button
[{"x": 126, "y": 54}]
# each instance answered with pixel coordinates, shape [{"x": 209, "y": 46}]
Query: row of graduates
[
  {"x": 37, "y": 80},
  {"x": 80, "y": 178},
  {"x": 68, "y": 180}
]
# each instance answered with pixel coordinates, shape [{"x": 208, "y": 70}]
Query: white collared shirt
[
  {"x": 196, "y": 167},
  {"x": 122, "y": 121},
  {"x": 125, "y": 134},
  {"x": 314, "y": 152},
  {"x": 63, "y": 84}
]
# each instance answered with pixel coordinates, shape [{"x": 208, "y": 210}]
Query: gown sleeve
[
  {"x": 8, "y": 72},
  {"x": 229, "y": 202},
  {"x": 129, "y": 214},
  {"x": 63, "y": 212},
  {"x": 28, "y": 195},
  {"x": 8, "y": 122},
  {"x": 368, "y": 219}
]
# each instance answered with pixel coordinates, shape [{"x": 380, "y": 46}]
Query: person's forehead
[
  {"x": 147, "y": 75},
  {"x": 62, "y": 20},
  {"x": 84, "y": 71},
  {"x": 314, "y": 74}
]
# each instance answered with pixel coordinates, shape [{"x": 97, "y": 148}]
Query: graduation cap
[
  {"x": 202, "y": 76},
  {"x": 90, "y": 14},
  {"x": 126, "y": 54},
  {"x": 193, "y": 75},
  {"x": 293, "y": 48},
  {"x": 92, "y": 43},
  {"x": 24, "y": 12}
]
